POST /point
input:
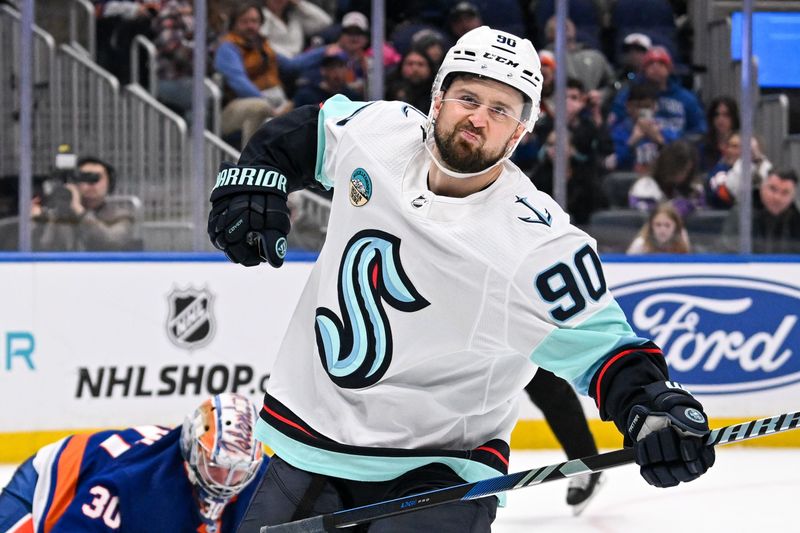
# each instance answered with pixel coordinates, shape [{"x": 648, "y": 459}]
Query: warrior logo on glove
[{"x": 249, "y": 218}]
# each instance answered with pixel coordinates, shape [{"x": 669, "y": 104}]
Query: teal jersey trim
[
  {"x": 576, "y": 353},
  {"x": 336, "y": 106},
  {"x": 363, "y": 467}
]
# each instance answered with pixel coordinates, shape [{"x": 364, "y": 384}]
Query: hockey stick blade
[{"x": 492, "y": 486}]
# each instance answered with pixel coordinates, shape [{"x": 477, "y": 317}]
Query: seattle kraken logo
[
  {"x": 546, "y": 219},
  {"x": 357, "y": 350}
]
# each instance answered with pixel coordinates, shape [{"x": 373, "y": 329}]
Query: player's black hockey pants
[
  {"x": 284, "y": 488},
  {"x": 561, "y": 408}
]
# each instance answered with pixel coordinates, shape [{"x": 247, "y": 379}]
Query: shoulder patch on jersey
[
  {"x": 541, "y": 218},
  {"x": 360, "y": 187}
]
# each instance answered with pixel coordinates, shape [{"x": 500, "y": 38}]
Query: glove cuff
[
  {"x": 664, "y": 395},
  {"x": 235, "y": 179},
  {"x": 668, "y": 404}
]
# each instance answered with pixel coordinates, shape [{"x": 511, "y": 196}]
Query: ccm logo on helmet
[{"x": 500, "y": 59}]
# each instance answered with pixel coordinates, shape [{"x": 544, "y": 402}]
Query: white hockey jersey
[{"x": 425, "y": 316}]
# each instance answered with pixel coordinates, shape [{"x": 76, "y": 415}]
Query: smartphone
[{"x": 646, "y": 113}]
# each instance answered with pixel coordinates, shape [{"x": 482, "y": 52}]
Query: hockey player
[
  {"x": 445, "y": 280},
  {"x": 562, "y": 411},
  {"x": 195, "y": 478}
]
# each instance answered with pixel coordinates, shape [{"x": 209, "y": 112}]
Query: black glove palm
[
  {"x": 668, "y": 436},
  {"x": 249, "y": 218}
]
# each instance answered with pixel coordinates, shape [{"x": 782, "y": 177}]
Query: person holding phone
[{"x": 639, "y": 137}]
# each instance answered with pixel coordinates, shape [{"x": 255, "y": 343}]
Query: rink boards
[{"x": 105, "y": 341}]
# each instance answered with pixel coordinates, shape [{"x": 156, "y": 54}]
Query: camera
[
  {"x": 56, "y": 198},
  {"x": 646, "y": 113}
]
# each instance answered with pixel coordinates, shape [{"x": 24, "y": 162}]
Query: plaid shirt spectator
[{"x": 174, "y": 31}]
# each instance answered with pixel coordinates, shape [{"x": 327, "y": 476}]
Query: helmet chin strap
[{"x": 463, "y": 175}]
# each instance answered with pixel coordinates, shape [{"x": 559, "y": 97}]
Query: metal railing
[
  {"x": 82, "y": 24},
  {"x": 720, "y": 77},
  {"x": 88, "y": 105},
  {"x": 791, "y": 151},
  {"x": 772, "y": 125},
  {"x": 44, "y": 78},
  {"x": 154, "y": 157},
  {"x": 141, "y": 43}
]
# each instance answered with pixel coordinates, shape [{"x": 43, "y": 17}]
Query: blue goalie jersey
[{"x": 132, "y": 480}]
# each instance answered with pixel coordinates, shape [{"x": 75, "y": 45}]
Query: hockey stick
[{"x": 489, "y": 487}]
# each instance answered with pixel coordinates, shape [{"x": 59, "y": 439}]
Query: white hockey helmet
[
  {"x": 218, "y": 444},
  {"x": 499, "y": 56}
]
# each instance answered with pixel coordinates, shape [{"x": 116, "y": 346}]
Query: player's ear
[
  {"x": 437, "y": 103},
  {"x": 519, "y": 132}
]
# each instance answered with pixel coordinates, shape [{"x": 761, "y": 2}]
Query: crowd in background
[{"x": 632, "y": 114}]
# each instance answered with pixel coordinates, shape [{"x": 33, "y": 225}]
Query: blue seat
[
  {"x": 504, "y": 15},
  {"x": 629, "y": 13},
  {"x": 583, "y": 13}
]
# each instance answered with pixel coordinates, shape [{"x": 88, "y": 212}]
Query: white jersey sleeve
[{"x": 562, "y": 312}]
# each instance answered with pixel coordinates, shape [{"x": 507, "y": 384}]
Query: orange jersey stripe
[
  {"x": 25, "y": 525},
  {"x": 69, "y": 467}
]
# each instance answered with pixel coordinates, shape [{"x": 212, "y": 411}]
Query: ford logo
[{"x": 720, "y": 334}]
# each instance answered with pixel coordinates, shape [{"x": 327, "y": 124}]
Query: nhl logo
[
  {"x": 190, "y": 323},
  {"x": 360, "y": 187}
]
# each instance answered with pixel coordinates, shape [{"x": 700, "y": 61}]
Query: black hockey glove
[
  {"x": 668, "y": 435},
  {"x": 249, "y": 218}
]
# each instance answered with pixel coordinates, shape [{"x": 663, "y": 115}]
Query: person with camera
[{"x": 73, "y": 214}]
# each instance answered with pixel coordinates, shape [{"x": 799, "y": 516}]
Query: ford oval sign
[{"x": 720, "y": 334}]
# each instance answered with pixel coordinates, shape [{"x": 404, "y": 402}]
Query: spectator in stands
[
  {"x": 174, "y": 32},
  {"x": 672, "y": 180},
  {"x": 117, "y": 23},
  {"x": 548, "y": 62},
  {"x": 431, "y": 43},
  {"x": 588, "y": 65},
  {"x": 334, "y": 73},
  {"x": 289, "y": 23},
  {"x": 412, "y": 81},
  {"x": 776, "y": 219},
  {"x": 76, "y": 216},
  {"x": 663, "y": 233},
  {"x": 723, "y": 181},
  {"x": 723, "y": 120},
  {"x": 634, "y": 48},
  {"x": 678, "y": 109},
  {"x": 639, "y": 136},
  {"x": 354, "y": 41},
  {"x": 589, "y": 145},
  {"x": 463, "y": 17},
  {"x": 249, "y": 68}
]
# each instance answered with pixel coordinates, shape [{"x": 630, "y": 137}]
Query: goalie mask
[
  {"x": 217, "y": 442},
  {"x": 495, "y": 55}
]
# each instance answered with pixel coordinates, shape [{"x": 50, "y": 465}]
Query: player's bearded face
[{"x": 462, "y": 155}]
